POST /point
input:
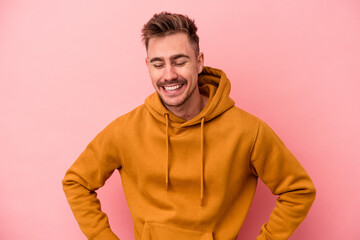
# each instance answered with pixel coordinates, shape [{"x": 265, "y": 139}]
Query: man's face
[{"x": 174, "y": 68}]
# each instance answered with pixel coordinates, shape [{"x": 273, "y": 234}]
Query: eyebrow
[
  {"x": 156, "y": 59},
  {"x": 174, "y": 57}
]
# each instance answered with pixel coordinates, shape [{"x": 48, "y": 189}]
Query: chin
[{"x": 173, "y": 103}]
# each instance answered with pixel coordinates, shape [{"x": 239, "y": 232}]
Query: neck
[{"x": 190, "y": 108}]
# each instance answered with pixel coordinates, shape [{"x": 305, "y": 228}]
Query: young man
[{"x": 188, "y": 158}]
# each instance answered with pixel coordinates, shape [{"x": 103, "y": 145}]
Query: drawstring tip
[
  {"x": 201, "y": 201},
  {"x": 167, "y": 186}
]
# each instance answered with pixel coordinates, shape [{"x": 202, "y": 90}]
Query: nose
[{"x": 170, "y": 73}]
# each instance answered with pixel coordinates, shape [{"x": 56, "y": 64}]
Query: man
[{"x": 188, "y": 158}]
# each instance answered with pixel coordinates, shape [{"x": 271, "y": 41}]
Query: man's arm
[
  {"x": 89, "y": 172},
  {"x": 284, "y": 176}
]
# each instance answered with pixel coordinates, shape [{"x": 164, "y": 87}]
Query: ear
[
  {"x": 200, "y": 62},
  {"x": 147, "y": 62}
]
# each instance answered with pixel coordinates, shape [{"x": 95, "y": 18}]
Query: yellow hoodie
[{"x": 189, "y": 180}]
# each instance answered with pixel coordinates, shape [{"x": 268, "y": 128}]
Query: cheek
[
  {"x": 193, "y": 76},
  {"x": 155, "y": 77},
  {"x": 187, "y": 73}
]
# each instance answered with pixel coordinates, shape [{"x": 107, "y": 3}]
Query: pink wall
[{"x": 68, "y": 68}]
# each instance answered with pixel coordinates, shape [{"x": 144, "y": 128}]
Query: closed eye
[
  {"x": 179, "y": 64},
  {"x": 158, "y": 65}
]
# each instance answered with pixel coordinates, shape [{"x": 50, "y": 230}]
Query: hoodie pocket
[{"x": 158, "y": 231}]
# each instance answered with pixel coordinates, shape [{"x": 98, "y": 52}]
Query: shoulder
[
  {"x": 114, "y": 132},
  {"x": 242, "y": 118},
  {"x": 134, "y": 115}
]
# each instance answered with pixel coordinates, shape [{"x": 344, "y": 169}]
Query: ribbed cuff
[
  {"x": 105, "y": 234},
  {"x": 261, "y": 237}
]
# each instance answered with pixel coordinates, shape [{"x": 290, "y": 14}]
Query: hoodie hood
[{"x": 214, "y": 84}]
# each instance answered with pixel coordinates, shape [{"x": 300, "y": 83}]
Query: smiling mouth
[{"x": 173, "y": 88}]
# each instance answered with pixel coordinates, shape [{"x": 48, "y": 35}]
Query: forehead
[{"x": 170, "y": 45}]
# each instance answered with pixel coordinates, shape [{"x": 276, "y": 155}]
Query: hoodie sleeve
[
  {"x": 285, "y": 177},
  {"x": 89, "y": 172}
]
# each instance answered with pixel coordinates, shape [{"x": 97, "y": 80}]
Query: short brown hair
[{"x": 165, "y": 23}]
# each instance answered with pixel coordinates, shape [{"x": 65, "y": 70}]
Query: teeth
[{"x": 172, "y": 88}]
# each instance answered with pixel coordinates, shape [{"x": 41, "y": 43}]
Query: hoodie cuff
[
  {"x": 105, "y": 234},
  {"x": 261, "y": 237}
]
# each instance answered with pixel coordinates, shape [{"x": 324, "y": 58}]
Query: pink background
[{"x": 68, "y": 68}]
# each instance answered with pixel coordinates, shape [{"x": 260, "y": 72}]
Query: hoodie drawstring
[
  {"x": 201, "y": 157},
  {"x": 167, "y": 152},
  {"x": 202, "y": 162}
]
